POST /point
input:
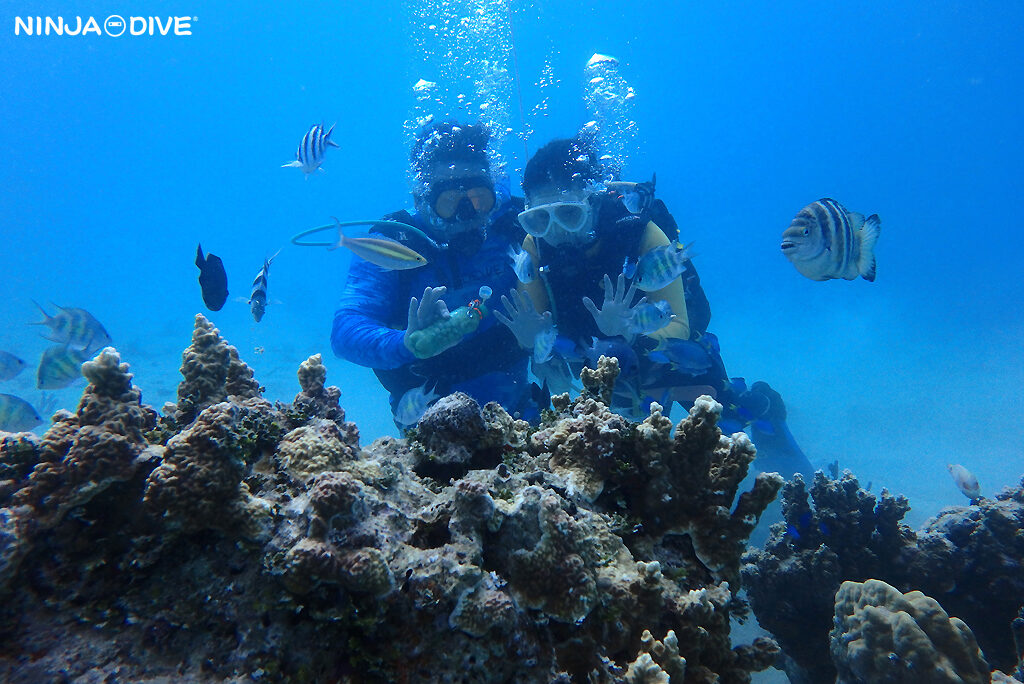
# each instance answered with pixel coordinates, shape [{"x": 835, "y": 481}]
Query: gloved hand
[
  {"x": 424, "y": 313},
  {"x": 616, "y": 315},
  {"x": 523, "y": 319}
]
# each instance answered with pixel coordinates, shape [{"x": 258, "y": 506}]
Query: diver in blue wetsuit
[
  {"x": 464, "y": 224},
  {"x": 582, "y": 233}
]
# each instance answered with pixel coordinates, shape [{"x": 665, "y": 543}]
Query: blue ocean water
[{"x": 120, "y": 154}]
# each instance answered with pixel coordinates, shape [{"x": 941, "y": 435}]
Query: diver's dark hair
[
  {"x": 449, "y": 141},
  {"x": 567, "y": 163}
]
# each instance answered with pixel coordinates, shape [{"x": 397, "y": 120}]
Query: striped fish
[
  {"x": 660, "y": 266},
  {"x": 16, "y": 414},
  {"x": 826, "y": 241},
  {"x": 648, "y": 317},
  {"x": 74, "y": 326},
  {"x": 258, "y": 298},
  {"x": 389, "y": 254},
  {"x": 312, "y": 149},
  {"x": 60, "y": 366},
  {"x": 412, "y": 405}
]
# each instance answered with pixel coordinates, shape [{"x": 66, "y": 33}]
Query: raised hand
[
  {"x": 615, "y": 317},
  {"x": 423, "y": 313},
  {"x": 523, "y": 319}
]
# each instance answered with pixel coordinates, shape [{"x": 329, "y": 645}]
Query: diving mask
[
  {"x": 554, "y": 220},
  {"x": 462, "y": 199}
]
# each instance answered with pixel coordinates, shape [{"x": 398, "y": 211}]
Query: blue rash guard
[{"x": 369, "y": 324}]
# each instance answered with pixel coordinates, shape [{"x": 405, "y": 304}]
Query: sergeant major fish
[
  {"x": 412, "y": 405},
  {"x": 16, "y": 414},
  {"x": 648, "y": 317},
  {"x": 312, "y": 149},
  {"x": 258, "y": 298},
  {"x": 60, "y": 366},
  {"x": 10, "y": 365},
  {"x": 544, "y": 344},
  {"x": 826, "y": 241},
  {"x": 212, "y": 279},
  {"x": 73, "y": 326},
  {"x": 660, "y": 266},
  {"x": 390, "y": 255}
]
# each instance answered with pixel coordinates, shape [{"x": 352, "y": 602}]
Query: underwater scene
[{"x": 511, "y": 341}]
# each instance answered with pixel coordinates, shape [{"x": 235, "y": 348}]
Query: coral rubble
[{"x": 238, "y": 539}]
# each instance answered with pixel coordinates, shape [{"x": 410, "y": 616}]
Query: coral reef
[
  {"x": 963, "y": 558},
  {"x": 80, "y": 456},
  {"x": 212, "y": 372},
  {"x": 247, "y": 540},
  {"x": 882, "y": 635}
]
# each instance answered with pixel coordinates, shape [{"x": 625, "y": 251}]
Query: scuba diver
[
  {"x": 585, "y": 241},
  {"x": 396, "y": 322}
]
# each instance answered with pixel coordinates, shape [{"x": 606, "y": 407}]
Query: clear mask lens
[{"x": 569, "y": 216}]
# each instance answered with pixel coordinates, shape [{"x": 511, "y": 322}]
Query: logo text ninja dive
[{"x": 115, "y": 25}]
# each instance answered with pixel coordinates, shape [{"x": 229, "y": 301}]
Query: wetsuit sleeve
[
  {"x": 535, "y": 289},
  {"x": 672, "y": 293},
  {"x": 370, "y": 300}
]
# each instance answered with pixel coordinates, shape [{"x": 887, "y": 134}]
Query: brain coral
[{"x": 882, "y": 635}]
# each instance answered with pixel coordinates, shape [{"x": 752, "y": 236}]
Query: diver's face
[{"x": 459, "y": 196}]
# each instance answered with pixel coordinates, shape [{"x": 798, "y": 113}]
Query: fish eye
[{"x": 807, "y": 231}]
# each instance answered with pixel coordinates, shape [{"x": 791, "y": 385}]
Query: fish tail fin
[
  {"x": 868, "y": 236},
  {"x": 291, "y": 164},
  {"x": 200, "y": 259},
  {"x": 686, "y": 253},
  {"x": 327, "y": 137},
  {"x": 46, "y": 317},
  {"x": 341, "y": 236}
]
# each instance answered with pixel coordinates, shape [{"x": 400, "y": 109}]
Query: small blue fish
[
  {"x": 682, "y": 355},
  {"x": 650, "y": 316},
  {"x": 629, "y": 268},
  {"x": 522, "y": 264},
  {"x": 617, "y": 348},
  {"x": 312, "y": 149},
  {"x": 10, "y": 365},
  {"x": 16, "y": 414}
]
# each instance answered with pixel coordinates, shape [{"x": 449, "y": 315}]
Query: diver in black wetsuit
[{"x": 580, "y": 231}]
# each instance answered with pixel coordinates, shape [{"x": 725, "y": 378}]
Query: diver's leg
[{"x": 777, "y": 450}]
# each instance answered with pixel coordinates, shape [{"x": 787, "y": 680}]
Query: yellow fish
[{"x": 388, "y": 254}]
